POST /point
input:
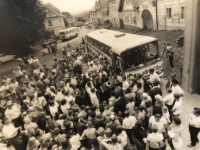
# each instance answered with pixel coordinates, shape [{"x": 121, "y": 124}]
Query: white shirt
[
  {"x": 154, "y": 77},
  {"x": 125, "y": 85},
  {"x": 53, "y": 109},
  {"x": 177, "y": 89},
  {"x": 129, "y": 123},
  {"x": 194, "y": 120},
  {"x": 154, "y": 137},
  {"x": 160, "y": 124},
  {"x": 169, "y": 99},
  {"x": 12, "y": 113},
  {"x": 177, "y": 106},
  {"x": 9, "y": 130},
  {"x": 123, "y": 137}
]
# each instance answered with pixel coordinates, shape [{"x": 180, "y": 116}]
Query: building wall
[
  {"x": 114, "y": 14},
  {"x": 175, "y": 22},
  {"x": 93, "y": 17},
  {"x": 146, "y": 5},
  {"x": 129, "y": 15},
  {"x": 57, "y": 24}
]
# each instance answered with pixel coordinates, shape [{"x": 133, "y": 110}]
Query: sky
[{"x": 72, "y": 6}]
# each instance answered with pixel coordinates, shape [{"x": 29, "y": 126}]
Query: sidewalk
[{"x": 189, "y": 102}]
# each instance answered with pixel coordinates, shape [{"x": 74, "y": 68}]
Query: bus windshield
[{"x": 140, "y": 56}]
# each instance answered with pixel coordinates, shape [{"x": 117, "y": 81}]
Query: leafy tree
[
  {"x": 21, "y": 25},
  {"x": 80, "y": 19}
]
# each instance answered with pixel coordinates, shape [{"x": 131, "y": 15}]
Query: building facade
[
  {"x": 115, "y": 12},
  {"x": 54, "y": 20},
  {"x": 171, "y": 14},
  {"x": 139, "y": 14},
  {"x": 98, "y": 14}
]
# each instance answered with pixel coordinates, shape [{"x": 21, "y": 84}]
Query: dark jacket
[
  {"x": 120, "y": 105},
  {"x": 153, "y": 92},
  {"x": 97, "y": 122}
]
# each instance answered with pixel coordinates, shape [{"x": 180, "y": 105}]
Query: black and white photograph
[{"x": 99, "y": 74}]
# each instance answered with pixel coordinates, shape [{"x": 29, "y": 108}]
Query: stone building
[
  {"x": 171, "y": 14},
  {"x": 115, "y": 12},
  {"x": 98, "y": 14}
]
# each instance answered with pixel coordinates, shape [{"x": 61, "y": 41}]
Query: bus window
[{"x": 152, "y": 52}]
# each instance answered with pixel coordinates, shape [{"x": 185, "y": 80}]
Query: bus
[
  {"x": 69, "y": 33},
  {"x": 130, "y": 53}
]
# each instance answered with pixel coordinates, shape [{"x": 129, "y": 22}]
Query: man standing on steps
[{"x": 194, "y": 127}]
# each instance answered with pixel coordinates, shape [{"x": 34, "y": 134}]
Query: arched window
[{"x": 131, "y": 19}]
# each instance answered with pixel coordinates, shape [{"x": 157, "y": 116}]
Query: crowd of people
[{"x": 81, "y": 103}]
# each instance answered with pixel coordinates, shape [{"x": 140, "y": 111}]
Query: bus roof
[
  {"x": 68, "y": 29},
  {"x": 123, "y": 42}
]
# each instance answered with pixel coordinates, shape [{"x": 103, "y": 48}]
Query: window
[
  {"x": 168, "y": 13},
  {"x": 49, "y": 23},
  {"x": 128, "y": 18},
  {"x": 182, "y": 12}
]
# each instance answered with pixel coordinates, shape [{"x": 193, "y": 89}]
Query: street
[{"x": 189, "y": 101}]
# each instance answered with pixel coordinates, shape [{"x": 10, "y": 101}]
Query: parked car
[
  {"x": 180, "y": 40},
  {"x": 5, "y": 58}
]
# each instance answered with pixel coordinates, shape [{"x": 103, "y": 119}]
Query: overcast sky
[{"x": 72, "y": 6}]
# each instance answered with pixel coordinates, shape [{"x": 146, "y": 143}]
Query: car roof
[{"x": 68, "y": 29}]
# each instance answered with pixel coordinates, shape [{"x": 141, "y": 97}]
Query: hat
[
  {"x": 112, "y": 117},
  {"x": 196, "y": 108},
  {"x": 158, "y": 97},
  {"x": 176, "y": 95}
]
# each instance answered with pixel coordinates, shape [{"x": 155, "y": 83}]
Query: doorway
[{"x": 147, "y": 19}]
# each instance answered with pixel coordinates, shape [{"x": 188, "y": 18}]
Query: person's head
[
  {"x": 63, "y": 102},
  {"x": 126, "y": 114},
  {"x": 174, "y": 82},
  {"x": 108, "y": 132},
  {"x": 169, "y": 90},
  {"x": 5, "y": 121},
  {"x": 140, "y": 108},
  {"x": 155, "y": 128},
  {"x": 93, "y": 114},
  {"x": 139, "y": 124},
  {"x": 112, "y": 117},
  {"x": 155, "y": 83},
  {"x": 157, "y": 117},
  {"x": 151, "y": 70},
  {"x": 164, "y": 43},
  {"x": 197, "y": 112},
  {"x": 177, "y": 121},
  {"x": 9, "y": 104},
  {"x": 145, "y": 96},
  {"x": 177, "y": 96},
  {"x": 27, "y": 120},
  {"x": 164, "y": 109},
  {"x": 89, "y": 124},
  {"x": 158, "y": 97},
  {"x": 114, "y": 139},
  {"x": 119, "y": 130}
]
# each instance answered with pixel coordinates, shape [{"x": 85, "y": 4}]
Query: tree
[
  {"x": 79, "y": 19},
  {"x": 21, "y": 25}
]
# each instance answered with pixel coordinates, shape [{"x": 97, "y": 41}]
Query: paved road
[{"x": 6, "y": 68}]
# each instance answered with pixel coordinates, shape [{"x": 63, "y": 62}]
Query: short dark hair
[
  {"x": 63, "y": 102},
  {"x": 177, "y": 120},
  {"x": 93, "y": 114}
]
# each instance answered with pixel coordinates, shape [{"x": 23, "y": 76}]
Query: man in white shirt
[
  {"x": 177, "y": 105},
  {"x": 158, "y": 120},
  {"x": 176, "y": 88},
  {"x": 153, "y": 76},
  {"x": 13, "y": 113},
  {"x": 128, "y": 123},
  {"x": 125, "y": 85},
  {"x": 194, "y": 126}
]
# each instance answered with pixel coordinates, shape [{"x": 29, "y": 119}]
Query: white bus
[
  {"x": 69, "y": 33},
  {"x": 130, "y": 53}
]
